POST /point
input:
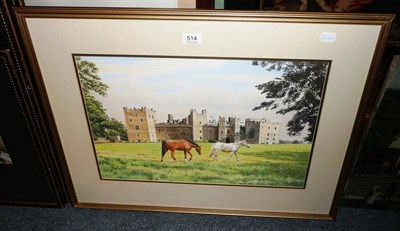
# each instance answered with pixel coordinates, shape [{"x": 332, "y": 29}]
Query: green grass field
[{"x": 278, "y": 165}]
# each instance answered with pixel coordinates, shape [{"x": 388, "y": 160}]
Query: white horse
[{"x": 231, "y": 147}]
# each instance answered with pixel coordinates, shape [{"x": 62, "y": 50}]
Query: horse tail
[{"x": 163, "y": 148}]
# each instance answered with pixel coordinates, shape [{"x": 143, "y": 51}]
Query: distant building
[
  {"x": 142, "y": 127},
  {"x": 262, "y": 131}
]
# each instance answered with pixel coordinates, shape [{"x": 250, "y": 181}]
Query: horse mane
[{"x": 192, "y": 143}]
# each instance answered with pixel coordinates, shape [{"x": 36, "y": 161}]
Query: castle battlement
[
  {"x": 194, "y": 111},
  {"x": 142, "y": 109}
]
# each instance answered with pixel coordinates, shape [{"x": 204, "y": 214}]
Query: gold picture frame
[{"x": 353, "y": 43}]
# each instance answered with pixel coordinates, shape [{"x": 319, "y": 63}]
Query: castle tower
[
  {"x": 170, "y": 119},
  {"x": 262, "y": 131},
  {"x": 197, "y": 120},
  {"x": 273, "y": 132},
  {"x": 235, "y": 128},
  {"x": 222, "y": 129},
  {"x": 252, "y": 128},
  {"x": 140, "y": 124}
]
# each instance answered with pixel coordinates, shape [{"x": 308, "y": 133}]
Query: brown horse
[{"x": 182, "y": 145}]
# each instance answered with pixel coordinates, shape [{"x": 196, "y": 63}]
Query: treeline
[{"x": 102, "y": 126}]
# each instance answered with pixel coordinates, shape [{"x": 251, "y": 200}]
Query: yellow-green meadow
[{"x": 278, "y": 165}]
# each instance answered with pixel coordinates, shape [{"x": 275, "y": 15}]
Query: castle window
[
  {"x": 141, "y": 120},
  {"x": 275, "y": 128},
  {"x": 136, "y": 127},
  {"x": 130, "y": 120}
]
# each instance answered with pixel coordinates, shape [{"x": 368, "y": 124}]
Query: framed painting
[
  {"x": 193, "y": 111},
  {"x": 180, "y": 107}
]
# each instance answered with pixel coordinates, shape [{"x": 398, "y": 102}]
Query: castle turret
[{"x": 170, "y": 119}]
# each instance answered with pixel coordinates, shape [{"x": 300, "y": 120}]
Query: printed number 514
[{"x": 189, "y": 38}]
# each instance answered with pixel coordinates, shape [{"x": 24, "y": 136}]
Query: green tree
[
  {"x": 97, "y": 116},
  {"x": 298, "y": 90},
  {"x": 92, "y": 86},
  {"x": 114, "y": 128},
  {"x": 90, "y": 80}
]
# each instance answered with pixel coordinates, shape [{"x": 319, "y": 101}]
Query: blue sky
[{"x": 176, "y": 85}]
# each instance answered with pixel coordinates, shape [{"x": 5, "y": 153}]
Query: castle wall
[
  {"x": 173, "y": 131},
  {"x": 210, "y": 132}
]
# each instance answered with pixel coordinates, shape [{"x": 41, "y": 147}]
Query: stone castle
[{"x": 142, "y": 126}]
